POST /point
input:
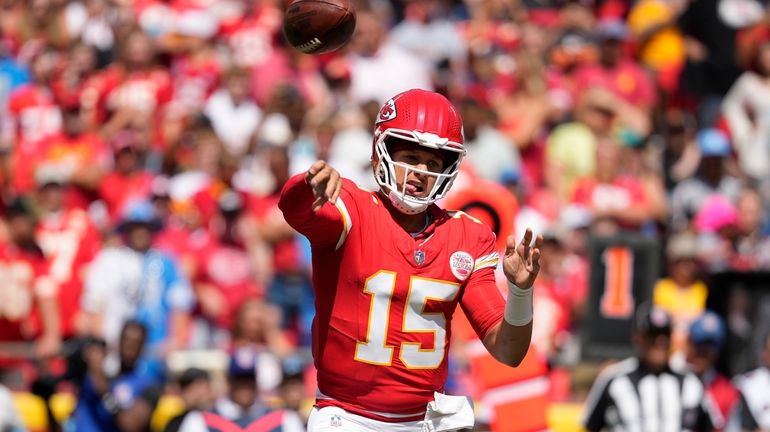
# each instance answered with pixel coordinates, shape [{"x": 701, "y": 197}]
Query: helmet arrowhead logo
[{"x": 387, "y": 112}]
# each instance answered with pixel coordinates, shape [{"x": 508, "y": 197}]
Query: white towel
[{"x": 448, "y": 413}]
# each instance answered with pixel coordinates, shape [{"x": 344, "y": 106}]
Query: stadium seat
[
  {"x": 62, "y": 405},
  {"x": 168, "y": 408},
  {"x": 31, "y": 408},
  {"x": 565, "y": 417}
]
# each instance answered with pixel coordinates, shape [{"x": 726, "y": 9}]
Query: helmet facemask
[{"x": 385, "y": 170}]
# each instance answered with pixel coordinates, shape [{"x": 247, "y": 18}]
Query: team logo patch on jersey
[
  {"x": 387, "y": 112},
  {"x": 461, "y": 264}
]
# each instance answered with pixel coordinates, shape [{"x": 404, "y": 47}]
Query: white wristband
[{"x": 518, "y": 308}]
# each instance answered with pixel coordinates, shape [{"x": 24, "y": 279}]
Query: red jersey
[
  {"x": 118, "y": 191},
  {"x": 385, "y": 299},
  {"x": 35, "y": 114},
  {"x": 78, "y": 153},
  {"x": 627, "y": 80},
  {"x": 251, "y": 38},
  {"x": 228, "y": 269},
  {"x": 144, "y": 91},
  {"x": 24, "y": 276},
  {"x": 722, "y": 392},
  {"x": 193, "y": 83},
  {"x": 147, "y": 91},
  {"x": 623, "y": 193},
  {"x": 287, "y": 255},
  {"x": 70, "y": 241}
]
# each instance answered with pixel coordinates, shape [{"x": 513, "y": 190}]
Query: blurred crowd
[{"x": 143, "y": 145}]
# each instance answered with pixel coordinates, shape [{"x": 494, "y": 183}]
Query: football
[{"x": 319, "y": 26}]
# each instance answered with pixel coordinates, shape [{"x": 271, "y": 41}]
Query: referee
[{"x": 642, "y": 393}]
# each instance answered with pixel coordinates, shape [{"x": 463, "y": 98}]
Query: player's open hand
[
  {"x": 325, "y": 182},
  {"x": 521, "y": 263}
]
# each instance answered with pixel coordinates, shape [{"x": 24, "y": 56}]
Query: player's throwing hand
[
  {"x": 522, "y": 263},
  {"x": 325, "y": 182}
]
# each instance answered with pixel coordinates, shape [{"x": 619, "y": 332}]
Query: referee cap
[{"x": 652, "y": 320}]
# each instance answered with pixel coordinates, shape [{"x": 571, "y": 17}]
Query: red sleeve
[
  {"x": 325, "y": 228},
  {"x": 14, "y": 102},
  {"x": 582, "y": 193},
  {"x": 482, "y": 302},
  {"x": 165, "y": 87},
  {"x": 646, "y": 90}
]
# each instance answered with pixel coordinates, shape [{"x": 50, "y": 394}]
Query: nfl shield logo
[
  {"x": 419, "y": 257},
  {"x": 336, "y": 421}
]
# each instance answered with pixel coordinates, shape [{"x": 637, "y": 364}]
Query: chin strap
[{"x": 405, "y": 206}]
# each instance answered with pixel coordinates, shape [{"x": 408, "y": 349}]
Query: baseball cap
[
  {"x": 652, "y": 320},
  {"x": 708, "y": 329},
  {"x": 293, "y": 368},
  {"x": 682, "y": 246},
  {"x": 717, "y": 212},
  {"x": 139, "y": 213},
  {"x": 243, "y": 363},
  {"x": 130, "y": 388},
  {"x": 713, "y": 142},
  {"x": 510, "y": 176},
  {"x": 51, "y": 175},
  {"x": 192, "y": 375},
  {"x": 612, "y": 30}
]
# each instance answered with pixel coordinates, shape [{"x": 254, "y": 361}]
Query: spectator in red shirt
[
  {"x": 79, "y": 156},
  {"x": 28, "y": 306},
  {"x": 73, "y": 85},
  {"x": 127, "y": 182},
  {"x": 617, "y": 200},
  {"x": 195, "y": 64},
  {"x": 32, "y": 115},
  {"x": 69, "y": 240},
  {"x": 135, "y": 91},
  {"x": 225, "y": 272}
]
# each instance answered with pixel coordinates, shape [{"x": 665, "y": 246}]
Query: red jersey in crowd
[
  {"x": 286, "y": 253},
  {"x": 228, "y": 269},
  {"x": 193, "y": 84},
  {"x": 25, "y": 280},
  {"x": 206, "y": 200},
  {"x": 385, "y": 300},
  {"x": 34, "y": 113},
  {"x": 118, "y": 191},
  {"x": 251, "y": 38},
  {"x": 144, "y": 91},
  {"x": 75, "y": 153},
  {"x": 70, "y": 241},
  {"x": 622, "y": 194},
  {"x": 627, "y": 80}
]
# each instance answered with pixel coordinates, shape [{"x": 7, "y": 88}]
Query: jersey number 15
[{"x": 375, "y": 349}]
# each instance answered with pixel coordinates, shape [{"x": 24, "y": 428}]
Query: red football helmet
[{"x": 427, "y": 119}]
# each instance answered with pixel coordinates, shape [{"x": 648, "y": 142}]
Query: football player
[{"x": 389, "y": 269}]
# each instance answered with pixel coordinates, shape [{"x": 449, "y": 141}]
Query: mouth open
[{"x": 414, "y": 189}]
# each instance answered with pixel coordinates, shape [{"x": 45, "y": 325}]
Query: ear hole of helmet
[{"x": 382, "y": 171}]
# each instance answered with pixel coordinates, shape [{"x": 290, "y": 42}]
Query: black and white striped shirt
[
  {"x": 754, "y": 406},
  {"x": 626, "y": 397}
]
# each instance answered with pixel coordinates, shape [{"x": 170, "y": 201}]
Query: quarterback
[{"x": 390, "y": 268}]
